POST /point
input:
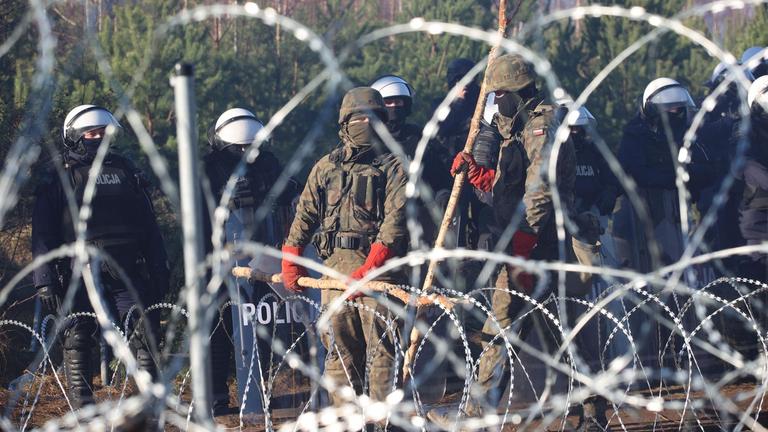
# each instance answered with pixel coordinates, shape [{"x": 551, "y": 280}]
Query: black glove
[
  {"x": 589, "y": 228},
  {"x": 605, "y": 203},
  {"x": 49, "y": 298}
]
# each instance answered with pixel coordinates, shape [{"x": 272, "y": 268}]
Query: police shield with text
[{"x": 229, "y": 138}]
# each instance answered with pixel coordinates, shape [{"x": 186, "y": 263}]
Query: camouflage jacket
[
  {"x": 352, "y": 194},
  {"x": 534, "y": 130}
]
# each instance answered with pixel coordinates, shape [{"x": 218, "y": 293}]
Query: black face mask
[
  {"x": 396, "y": 116},
  {"x": 85, "y": 150},
  {"x": 234, "y": 151},
  {"x": 760, "y": 124},
  {"x": 508, "y": 104},
  {"x": 677, "y": 120},
  {"x": 579, "y": 137}
]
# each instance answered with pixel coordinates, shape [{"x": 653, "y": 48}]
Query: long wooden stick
[
  {"x": 458, "y": 184},
  {"x": 474, "y": 129},
  {"x": 333, "y": 284}
]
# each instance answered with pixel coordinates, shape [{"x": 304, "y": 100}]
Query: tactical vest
[
  {"x": 250, "y": 189},
  {"x": 352, "y": 205},
  {"x": 118, "y": 204}
]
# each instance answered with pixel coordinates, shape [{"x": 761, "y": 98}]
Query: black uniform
[
  {"x": 753, "y": 211},
  {"x": 248, "y": 195},
  {"x": 123, "y": 225},
  {"x": 450, "y": 139}
]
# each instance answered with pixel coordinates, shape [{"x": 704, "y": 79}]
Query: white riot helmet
[
  {"x": 756, "y": 60},
  {"x": 583, "y": 118},
  {"x": 758, "y": 94},
  {"x": 664, "y": 94},
  {"x": 236, "y": 126},
  {"x": 720, "y": 72},
  {"x": 491, "y": 108},
  {"x": 82, "y": 119},
  {"x": 392, "y": 86}
]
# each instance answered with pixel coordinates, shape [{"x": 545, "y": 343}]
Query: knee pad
[{"x": 81, "y": 335}]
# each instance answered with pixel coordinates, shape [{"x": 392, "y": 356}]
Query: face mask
[
  {"x": 358, "y": 134},
  {"x": 579, "y": 137},
  {"x": 236, "y": 151},
  {"x": 677, "y": 120},
  {"x": 396, "y": 119},
  {"x": 760, "y": 124},
  {"x": 86, "y": 149},
  {"x": 508, "y": 104}
]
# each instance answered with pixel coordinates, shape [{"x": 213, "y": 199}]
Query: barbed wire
[{"x": 688, "y": 339}]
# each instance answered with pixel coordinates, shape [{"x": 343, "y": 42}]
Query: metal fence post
[{"x": 191, "y": 221}]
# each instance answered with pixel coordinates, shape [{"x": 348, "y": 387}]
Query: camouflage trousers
[
  {"x": 494, "y": 368},
  {"x": 361, "y": 348}
]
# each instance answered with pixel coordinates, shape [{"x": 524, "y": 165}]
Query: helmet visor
[{"x": 671, "y": 98}]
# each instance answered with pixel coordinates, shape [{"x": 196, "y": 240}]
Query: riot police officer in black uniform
[
  {"x": 121, "y": 225},
  {"x": 233, "y": 133}
]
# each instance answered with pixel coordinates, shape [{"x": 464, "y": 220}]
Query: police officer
[
  {"x": 398, "y": 100},
  {"x": 229, "y": 137},
  {"x": 729, "y": 102},
  {"x": 595, "y": 193},
  {"x": 355, "y": 199},
  {"x": 754, "y": 205},
  {"x": 646, "y": 154},
  {"x": 523, "y": 129},
  {"x": 453, "y": 131},
  {"x": 122, "y": 225}
]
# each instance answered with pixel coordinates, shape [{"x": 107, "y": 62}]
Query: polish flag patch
[{"x": 539, "y": 132}]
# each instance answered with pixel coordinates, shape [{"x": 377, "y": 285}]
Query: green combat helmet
[
  {"x": 361, "y": 99},
  {"x": 509, "y": 73}
]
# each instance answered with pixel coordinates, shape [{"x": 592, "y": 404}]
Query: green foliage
[{"x": 244, "y": 62}]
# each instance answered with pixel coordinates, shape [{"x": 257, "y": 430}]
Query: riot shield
[{"x": 269, "y": 320}]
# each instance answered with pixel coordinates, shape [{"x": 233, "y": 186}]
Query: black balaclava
[
  {"x": 760, "y": 123},
  {"x": 358, "y": 135},
  {"x": 511, "y": 102},
  {"x": 85, "y": 150},
  {"x": 580, "y": 137},
  {"x": 235, "y": 150},
  {"x": 678, "y": 121},
  {"x": 396, "y": 116}
]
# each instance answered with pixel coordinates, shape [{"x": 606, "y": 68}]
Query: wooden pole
[
  {"x": 458, "y": 184},
  {"x": 333, "y": 284}
]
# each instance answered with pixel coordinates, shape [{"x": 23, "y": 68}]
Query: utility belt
[{"x": 327, "y": 242}]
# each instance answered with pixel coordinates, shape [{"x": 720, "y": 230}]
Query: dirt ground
[{"x": 51, "y": 405}]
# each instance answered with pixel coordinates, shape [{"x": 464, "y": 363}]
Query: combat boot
[
  {"x": 79, "y": 372},
  {"x": 444, "y": 418},
  {"x": 593, "y": 417}
]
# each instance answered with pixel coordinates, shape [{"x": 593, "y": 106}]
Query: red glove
[
  {"x": 522, "y": 246},
  {"x": 377, "y": 256},
  {"x": 292, "y": 271},
  {"x": 479, "y": 177}
]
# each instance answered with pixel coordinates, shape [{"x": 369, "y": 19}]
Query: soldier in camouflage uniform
[
  {"x": 355, "y": 200},
  {"x": 521, "y": 134}
]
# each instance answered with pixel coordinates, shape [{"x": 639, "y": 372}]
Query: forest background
[{"x": 243, "y": 62}]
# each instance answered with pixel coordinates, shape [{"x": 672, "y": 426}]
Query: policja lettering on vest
[{"x": 108, "y": 179}]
